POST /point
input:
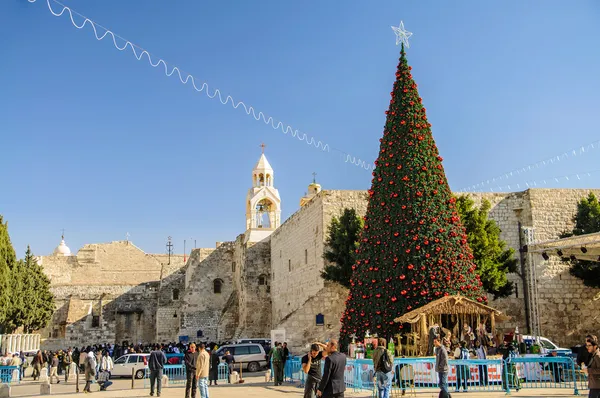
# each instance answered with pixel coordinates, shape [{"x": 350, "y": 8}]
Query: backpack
[{"x": 385, "y": 364}]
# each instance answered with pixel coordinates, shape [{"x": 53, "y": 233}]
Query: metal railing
[
  {"x": 177, "y": 374},
  {"x": 471, "y": 375},
  {"x": 8, "y": 374}
]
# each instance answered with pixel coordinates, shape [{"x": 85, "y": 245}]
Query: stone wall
[
  {"x": 567, "y": 308},
  {"x": 296, "y": 259},
  {"x": 202, "y": 308},
  {"x": 109, "y": 293},
  {"x": 244, "y": 307},
  {"x": 122, "y": 312},
  {"x": 255, "y": 294},
  {"x": 300, "y": 325}
]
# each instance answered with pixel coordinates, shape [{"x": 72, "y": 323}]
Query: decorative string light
[
  {"x": 582, "y": 150},
  {"x": 139, "y": 53},
  {"x": 542, "y": 182}
]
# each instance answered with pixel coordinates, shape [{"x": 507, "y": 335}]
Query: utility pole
[{"x": 169, "y": 248}]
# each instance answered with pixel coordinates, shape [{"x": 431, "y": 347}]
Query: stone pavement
[{"x": 254, "y": 387}]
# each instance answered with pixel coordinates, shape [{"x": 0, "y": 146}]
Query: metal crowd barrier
[
  {"x": 8, "y": 373},
  {"x": 177, "y": 374},
  {"x": 473, "y": 374}
]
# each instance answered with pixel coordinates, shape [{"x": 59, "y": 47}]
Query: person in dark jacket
[
  {"x": 441, "y": 366},
  {"x": 332, "y": 384},
  {"x": 156, "y": 364},
  {"x": 213, "y": 373},
  {"x": 190, "y": 359},
  {"x": 583, "y": 356}
]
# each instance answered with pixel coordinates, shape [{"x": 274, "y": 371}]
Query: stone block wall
[
  {"x": 300, "y": 326},
  {"x": 568, "y": 309},
  {"x": 202, "y": 308},
  {"x": 125, "y": 312},
  {"x": 255, "y": 296},
  {"x": 296, "y": 258},
  {"x": 117, "y": 282}
]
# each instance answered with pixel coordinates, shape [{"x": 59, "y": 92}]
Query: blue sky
[{"x": 100, "y": 144}]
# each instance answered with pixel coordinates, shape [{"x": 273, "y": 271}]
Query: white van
[{"x": 252, "y": 356}]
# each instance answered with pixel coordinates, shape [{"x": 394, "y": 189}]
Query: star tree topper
[{"x": 402, "y": 34}]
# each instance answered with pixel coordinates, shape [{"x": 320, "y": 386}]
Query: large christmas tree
[{"x": 413, "y": 248}]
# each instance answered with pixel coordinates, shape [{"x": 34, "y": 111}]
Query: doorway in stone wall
[{"x": 129, "y": 327}]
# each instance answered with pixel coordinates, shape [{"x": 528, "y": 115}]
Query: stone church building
[{"x": 269, "y": 276}]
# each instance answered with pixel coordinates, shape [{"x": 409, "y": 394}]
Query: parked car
[
  {"x": 125, "y": 364},
  {"x": 547, "y": 345},
  {"x": 253, "y": 355},
  {"x": 266, "y": 343}
]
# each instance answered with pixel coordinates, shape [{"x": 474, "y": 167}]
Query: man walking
[
  {"x": 332, "y": 384},
  {"x": 156, "y": 364},
  {"x": 191, "y": 359},
  {"x": 593, "y": 368},
  {"x": 441, "y": 367},
  {"x": 276, "y": 355},
  {"x": 285, "y": 355},
  {"x": 202, "y": 369},
  {"x": 68, "y": 360},
  {"x": 383, "y": 365},
  {"x": 311, "y": 365}
]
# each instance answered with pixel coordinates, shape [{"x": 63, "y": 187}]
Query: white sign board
[{"x": 277, "y": 335}]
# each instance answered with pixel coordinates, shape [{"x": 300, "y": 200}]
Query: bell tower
[{"x": 263, "y": 204}]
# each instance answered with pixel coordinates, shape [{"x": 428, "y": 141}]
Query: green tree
[
  {"x": 38, "y": 299},
  {"x": 490, "y": 254},
  {"x": 342, "y": 243},
  {"x": 413, "y": 247},
  {"x": 8, "y": 260},
  {"x": 587, "y": 221}
]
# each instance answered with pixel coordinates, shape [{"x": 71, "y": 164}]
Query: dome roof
[{"x": 62, "y": 249}]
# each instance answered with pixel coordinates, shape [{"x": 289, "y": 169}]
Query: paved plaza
[{"x": 254, "y": 387}]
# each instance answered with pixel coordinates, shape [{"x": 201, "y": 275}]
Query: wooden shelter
[{"x": 451, "y": 313}]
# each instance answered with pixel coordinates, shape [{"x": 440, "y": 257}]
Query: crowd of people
[{"x": 202, "y": 362}]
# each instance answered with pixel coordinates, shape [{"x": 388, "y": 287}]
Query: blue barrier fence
[
  {"x": 177, "y": 374},
  {"x": 6, "y": 374},
  {"x": 470, "y": 375}
]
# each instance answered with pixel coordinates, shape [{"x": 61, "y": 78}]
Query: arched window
[
  {"x": 262, "y": 280},
  {"x": 175, "y": 294},
  {"x": 217, "y": 286}
]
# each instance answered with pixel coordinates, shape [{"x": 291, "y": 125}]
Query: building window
[
  {"x": 96, "y": 321},
  {"x": 175, "y": 294},
  {"x": 320, "y": 320},
  {"x": 233, "y": 266},
  {"x": 516, "y": 290},
  {"x": 290, "y": 265},
  {"x": 217, "y": 285},
  {"x": 262, "y": 280},
  {"x": 305, "y": 256}
]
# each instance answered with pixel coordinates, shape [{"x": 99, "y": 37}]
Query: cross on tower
[
  {"x": 127, "y": 236},
  {"x": 314, "y": 177},
  {"x": 263, "y": 146},
  {"x": 63, "y": 234}
]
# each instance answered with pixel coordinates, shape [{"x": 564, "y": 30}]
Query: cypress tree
[
  {"x": 413, "y": 247},
  {"x": 39, "y": 301},
  {"x": 7, "y": 263}
]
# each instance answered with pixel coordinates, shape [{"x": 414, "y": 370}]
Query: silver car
[
  {"x": 252, "y": 356},
  {"x": 128, "y": 363}
]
